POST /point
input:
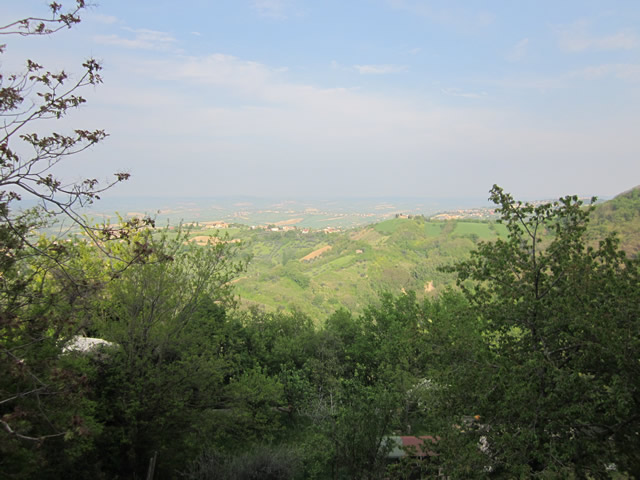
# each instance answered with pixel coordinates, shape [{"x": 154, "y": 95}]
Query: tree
[
  {"x": 158, "y": 391},
  {"x": 559, "y": 322},
  {"x": 36, "y": 96},
  {"x": 364, "y": 381},
  {"x": 44, "y": 289}
]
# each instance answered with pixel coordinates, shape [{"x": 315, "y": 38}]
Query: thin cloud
[
  {"x": 626, "y": 72},
  {"x": 221, "y": 70},
  {"x": 532, "y": 82},
  {"x": 518, "y": 51},
  {"x": 271, "y": 8},
  {"x": 457, "y": 17},
  {"x": 622, "y": 71},
  {"x": 251, "y": 117},
  {"x": 142, "y": 39},
  {"x": 577, "y": 38},
  {"x": 456, "y": 92},
  {"x": 380, "y": 69}
]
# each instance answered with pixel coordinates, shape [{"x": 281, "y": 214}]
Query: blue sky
[{"x": 294, "y": 98}]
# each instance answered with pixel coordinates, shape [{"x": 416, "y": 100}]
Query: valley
[{"x": 342, "y": 264}]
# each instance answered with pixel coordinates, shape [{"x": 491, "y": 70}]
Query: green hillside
[
  {"x": 350, "y": 269},
  {"x": 316, "y": 273},
  {"x": 622, "y": 215}
]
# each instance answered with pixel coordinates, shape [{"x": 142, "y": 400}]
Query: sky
[{"x": 352, "y": 98}]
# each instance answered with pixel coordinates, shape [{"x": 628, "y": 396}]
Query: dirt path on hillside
[{"x": 315, "y": 254}]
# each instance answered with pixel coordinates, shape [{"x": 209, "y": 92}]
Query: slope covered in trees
[{"x": 621, "y": 215}]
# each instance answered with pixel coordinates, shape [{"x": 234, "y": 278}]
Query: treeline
[{"x": 529, "y": 369}]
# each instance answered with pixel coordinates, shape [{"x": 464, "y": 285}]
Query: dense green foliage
[{"x": 559, "y": 323}]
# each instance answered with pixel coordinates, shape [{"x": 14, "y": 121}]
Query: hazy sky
[{"x": 354, "y": 97}]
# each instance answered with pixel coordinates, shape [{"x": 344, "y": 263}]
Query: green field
[{"x": 483, "y": 231}]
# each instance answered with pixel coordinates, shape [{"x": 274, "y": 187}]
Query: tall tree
[
  {"x": 158, "y": 389},
  {"x": 42, "y": 290},
  {"x": 560, "y": 324}
]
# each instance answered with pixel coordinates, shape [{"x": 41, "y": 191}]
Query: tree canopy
[{"x": 559, "y": 322}]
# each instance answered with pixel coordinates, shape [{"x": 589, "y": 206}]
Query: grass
[
  {"x": 433, "y": 229},
  {"x": 389, "y": 226},
  {"x": 482, "y": 230}
]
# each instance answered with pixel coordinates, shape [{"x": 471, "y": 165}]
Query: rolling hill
[{"x": 317, "y": 272}]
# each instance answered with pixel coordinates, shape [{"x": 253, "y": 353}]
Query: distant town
[{"x": 329, "y": 222}]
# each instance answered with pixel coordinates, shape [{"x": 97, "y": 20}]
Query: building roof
[{"x": 410, "y": 445}]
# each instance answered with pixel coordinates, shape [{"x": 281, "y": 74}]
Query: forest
[{"x": 124, "y": 353}]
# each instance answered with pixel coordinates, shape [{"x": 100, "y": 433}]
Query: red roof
[{"x": 415, "y": 446}]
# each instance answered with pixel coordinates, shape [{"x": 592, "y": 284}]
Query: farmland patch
[{"x": 315, "y": 254}]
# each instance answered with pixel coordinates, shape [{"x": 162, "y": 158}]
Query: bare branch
[
  {"x": 8, "y": 428},
  {"x": 45, "y": 26}
]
